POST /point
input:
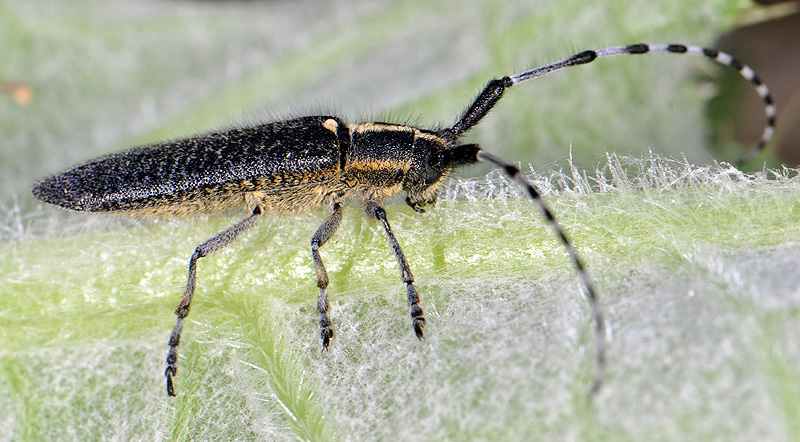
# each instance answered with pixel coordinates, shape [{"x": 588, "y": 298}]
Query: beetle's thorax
[{"x": 384, "y": 159}]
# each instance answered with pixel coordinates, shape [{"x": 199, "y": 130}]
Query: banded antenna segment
[{"x": 718, "y": 56}]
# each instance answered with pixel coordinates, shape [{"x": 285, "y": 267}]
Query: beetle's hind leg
[
  {"x": 213, "y": 244},
  {"x": 374, "y": 210},
  {"x": 323, "y": 234}
]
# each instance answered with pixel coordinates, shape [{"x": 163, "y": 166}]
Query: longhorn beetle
[{"x": 300, "y": 164}]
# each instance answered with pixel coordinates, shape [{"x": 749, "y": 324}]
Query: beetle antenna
[
  {"x": 493, "y": 91},
  {"x": 462, "y": 155}
]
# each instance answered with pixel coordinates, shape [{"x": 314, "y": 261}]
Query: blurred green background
[
  {"x": 698, "y": 279},
  {"x": 109, "y": 75}
]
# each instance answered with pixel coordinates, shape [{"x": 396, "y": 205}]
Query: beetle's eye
[
  {"x": 433, "y": 171},
  {"x": 432, "y": 176}
]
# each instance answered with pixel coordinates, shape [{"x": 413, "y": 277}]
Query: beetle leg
[
  {"x": 374, "y": 210},
  {"x": 323, "y": 234},
  {"x": 213, "y": 244}
]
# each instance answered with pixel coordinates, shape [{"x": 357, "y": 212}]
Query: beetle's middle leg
[
  {"x": 374, "y": 210},
  {"x": 323, "y": 234}
]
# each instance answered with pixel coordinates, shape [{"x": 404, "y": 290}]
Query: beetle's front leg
[{"x": 374, "y": 210}]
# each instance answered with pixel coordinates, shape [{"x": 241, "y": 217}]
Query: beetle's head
[{"x": 432, "y": 164}]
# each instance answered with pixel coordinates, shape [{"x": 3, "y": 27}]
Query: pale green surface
[
  {"x": 698, "y": 282},
  {"x": 111, "y": 74},
  {"x": 86, "y": 310}
]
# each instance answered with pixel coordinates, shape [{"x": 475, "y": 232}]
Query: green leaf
[{"x": 695, "y": 265}]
